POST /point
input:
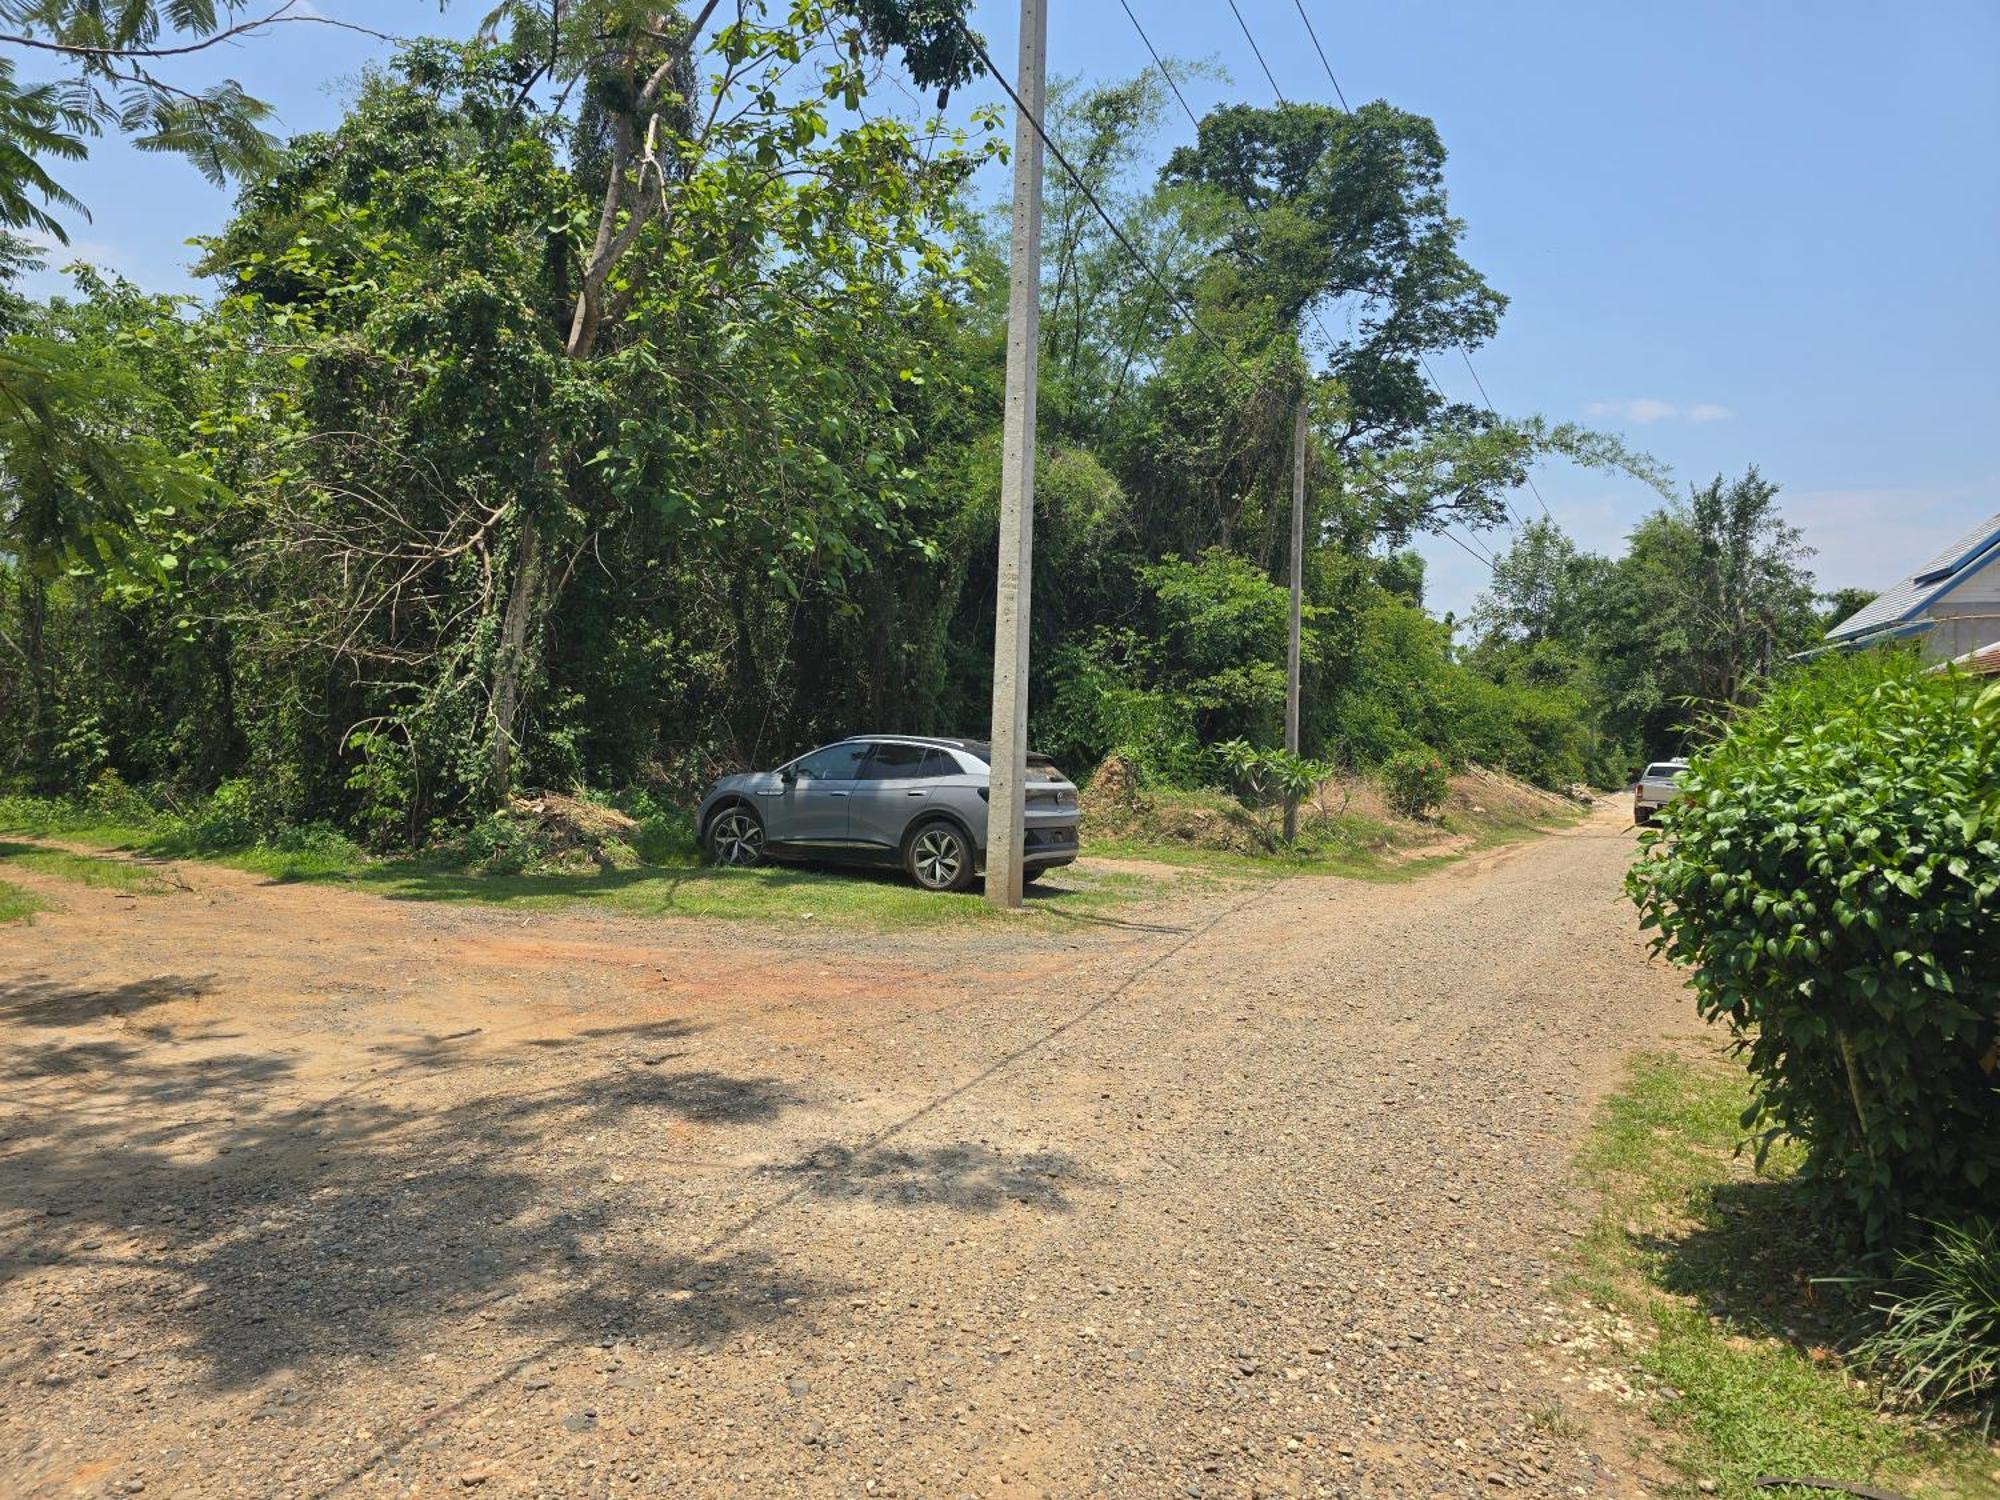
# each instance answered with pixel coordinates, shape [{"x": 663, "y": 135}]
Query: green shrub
[
  {"x": 1097, "y": 706},
  {"x": 499, "y": 845},
  {"x": 232, "y": 818},
  {"x": 1263, "y": 776},
  {"x": 111, "y": 800},
  {"x": 1940, "y": 1334},
  {"x": 1831, "y": 875},
  {"x": 1415, "y": 781}
]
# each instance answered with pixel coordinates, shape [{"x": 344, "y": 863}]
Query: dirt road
[{"x": 307, "y": 1192}]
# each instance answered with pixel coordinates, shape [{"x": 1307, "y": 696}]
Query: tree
[
  {"x": 700, "y": 340},
  {"x": 116, "y": 60},
  {"x": 1843, "y": 604},
  {"x": 1540, "y": 590},
  {"x": 658, "y": 151}
]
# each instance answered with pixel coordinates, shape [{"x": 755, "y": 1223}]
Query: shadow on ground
[
  {"x": 193, "y": 1204},
  {"x": 965, "y": 1176},
  {"x": 1760, "y": 1256},
  {"x": 35, "y": 1000}
]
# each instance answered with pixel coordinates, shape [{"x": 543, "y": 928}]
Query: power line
[
  {"x": 1187, "y": 109},
  {"x": 1464, "y": 353},
  {"x": 1451, "y": 536},
  {"x": 1532, "y": 486},
  {"x": 1098, "y": 208},
  {"x": 1160, "y": 63},
  {"x": 1258, "y": 50},
  {"x": 1322, "y": 55}
]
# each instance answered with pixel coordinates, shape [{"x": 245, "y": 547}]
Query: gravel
[{"x": 1258, "y": 1189}]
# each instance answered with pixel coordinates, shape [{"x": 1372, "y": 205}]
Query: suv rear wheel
[{"x": 939, "y": 857}]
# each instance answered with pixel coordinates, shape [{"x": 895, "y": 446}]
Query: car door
[
  {"x": 810, "y": 805},
  {"x": 895, "y": 782}
]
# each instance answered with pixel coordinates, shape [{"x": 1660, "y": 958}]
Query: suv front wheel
[
  {"x": 939, "y": 858},
  {"x": 736, "y": 837}
]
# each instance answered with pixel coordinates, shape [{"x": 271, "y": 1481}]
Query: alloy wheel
[
  {"x": 738, "y": 838},
  {"x": 938, "y": 858}
]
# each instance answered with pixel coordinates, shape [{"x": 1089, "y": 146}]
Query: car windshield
[{"x": 1664, "y": 771}]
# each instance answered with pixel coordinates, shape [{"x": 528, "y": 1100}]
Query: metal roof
[
  {"x": 1970, "y": 552},
  {"x": 1985, "y": 662}
]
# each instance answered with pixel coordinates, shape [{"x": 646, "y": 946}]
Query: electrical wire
[
  {"x": 1322, "y": 55},
  {"x": 1090, "y": 197},
  {"x": 1464, "y": 353},
  {"x": 1259, "y": 51}
]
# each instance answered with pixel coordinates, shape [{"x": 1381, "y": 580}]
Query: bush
[
  {"x": 110, "y": 799},
  {"x": 1831, "y": 875},
  {"x": 1415, "y": 781},
  {"x": 1940, "y": 1337},
  {"x": 499, "y": 844}
]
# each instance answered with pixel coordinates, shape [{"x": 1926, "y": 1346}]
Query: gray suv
[{"x": 906, "y": 799}]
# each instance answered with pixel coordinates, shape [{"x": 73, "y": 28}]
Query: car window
[
  {"x": 894, "y": 762},
  {"x": 940, "y": 763},
  {"x": 840, "y": 762},
  {"x": 1664, "y": 772}
]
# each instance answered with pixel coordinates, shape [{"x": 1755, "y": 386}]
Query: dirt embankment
[{"x": 1348, "y": 813}]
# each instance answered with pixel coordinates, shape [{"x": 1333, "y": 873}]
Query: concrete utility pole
[
  {"x": 1007, "y": 804},
  {"x": 1293, "y": 643}
]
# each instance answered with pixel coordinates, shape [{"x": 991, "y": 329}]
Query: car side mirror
[{"x": 788, "y": 776}]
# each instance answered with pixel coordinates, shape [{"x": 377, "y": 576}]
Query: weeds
[{"x": 1939, "y": 1343}]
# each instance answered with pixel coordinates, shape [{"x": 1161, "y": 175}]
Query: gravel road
[{"x": 1249, "y": 1191}]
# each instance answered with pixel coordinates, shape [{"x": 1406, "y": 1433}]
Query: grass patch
[
  {"x": 17, "y": 905},
  {"x": 679, "y": 884},
  {"x": 1717, "y": 1262},
  {"x": 780, "y": 893},
  {"x": 84, "y": 869}
]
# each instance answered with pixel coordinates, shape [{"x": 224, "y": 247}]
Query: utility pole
[
  {"x": 1293, "y": 642},
  {"x": 1007, "y": 800}
]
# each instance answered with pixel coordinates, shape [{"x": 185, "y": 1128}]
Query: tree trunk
[
  {"x": 527, "y": 595},
  {"x": 510, "y": 662}
]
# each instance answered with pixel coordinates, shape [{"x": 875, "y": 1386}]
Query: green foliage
[
  {"x": 609, "y": 402},
  {"x": 35, "y": 125},
  {"x": 1831, "y": 876},
  {"x": 1098, "y": 706},
  {"x": 1415, "y": 781},
  {"x": 1220, "y": 644},
  {"x": 1940, "y": 1336},
  {"x": 1264, "y": 775}
]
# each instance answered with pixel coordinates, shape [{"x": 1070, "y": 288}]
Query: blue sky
[{"x": 1736, "y": 233}]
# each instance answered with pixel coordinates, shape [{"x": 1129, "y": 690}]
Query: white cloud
[{"x": 1653, "y": 409}]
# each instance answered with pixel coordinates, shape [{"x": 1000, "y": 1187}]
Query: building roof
[
  {"x": 1909, "y": 597},
  {"x": 1985, "y": 662}
]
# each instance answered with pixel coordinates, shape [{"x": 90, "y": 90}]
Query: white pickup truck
[{"x": 1657, "y": 785}]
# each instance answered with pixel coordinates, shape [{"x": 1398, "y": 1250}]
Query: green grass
[
  {"x": 779, "y": 893},
  {"x": 680, "y": 885},
  {"x": 84, "y": 869},
  {"x": 17, "y": 905},
  {"x": 1717, "y": 1263}
]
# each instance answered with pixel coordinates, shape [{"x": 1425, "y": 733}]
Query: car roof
[{"x": 944, "y": 742}]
